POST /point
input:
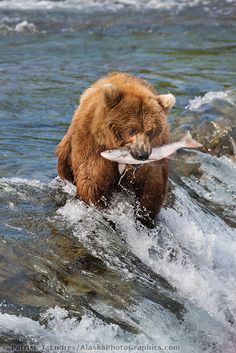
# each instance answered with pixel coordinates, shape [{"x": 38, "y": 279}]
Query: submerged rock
[
  {"x": 210, "y": 180},
  {"x": 217, "y": 138}
]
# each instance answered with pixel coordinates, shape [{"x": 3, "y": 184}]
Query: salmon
[{"x": 123, "y": 156}]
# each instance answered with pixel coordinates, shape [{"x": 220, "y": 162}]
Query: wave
[
  {"x": 210, "y": 97},
  {"x": 19, "y": 27},
  {"x": 191, "y": 248},
  {"x": 102, "y": 4},
  {"x": 216, "y": 186},
  {"x": 57, "y": 331},
  {"x": 63, "y": 331},
  {"x": 187, "y": 259}
]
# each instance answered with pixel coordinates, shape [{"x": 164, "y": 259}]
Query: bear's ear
[
  {"x": 167, "y": 101},
  {"x": 112, "y": 95}
]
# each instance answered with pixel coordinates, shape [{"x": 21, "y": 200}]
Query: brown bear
[{"x": 116, "y": 110}]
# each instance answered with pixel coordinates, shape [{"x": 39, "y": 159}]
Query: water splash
[
  {"x": 209, "y": 98},
  {"x": 102, "y": 5}
]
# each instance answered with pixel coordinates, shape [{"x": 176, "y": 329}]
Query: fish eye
[
  {"x": 133, "y": 132},
  {"x": 152, "y": 133}
]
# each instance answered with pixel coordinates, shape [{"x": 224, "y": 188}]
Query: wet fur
[{"x": 108, "y": 110}]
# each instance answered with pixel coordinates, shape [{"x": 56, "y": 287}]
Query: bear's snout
[
  {"x": 140, "y": 147},
  {"x": 141, "y": 154}
]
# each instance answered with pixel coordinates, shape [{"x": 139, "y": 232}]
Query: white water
[
  {"x": 210, "y": 97},
  {"x": 66, "y": 332},
  {"x": 101, "y": 4},
  {"x": 216, "y": 184},
  {"x": 203, "y": 271},
  {"x": 192, "y": 249}
]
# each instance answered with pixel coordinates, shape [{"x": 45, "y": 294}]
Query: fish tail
[{"x": 190, "y": 142}]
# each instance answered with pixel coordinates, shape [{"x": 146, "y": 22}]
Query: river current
[{"x": 68, "y": 280}]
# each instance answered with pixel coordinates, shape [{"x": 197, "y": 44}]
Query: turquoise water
[{"x": 66, "y": 276}]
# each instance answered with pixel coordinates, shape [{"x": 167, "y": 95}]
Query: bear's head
[{"x": 135, "y": 116}]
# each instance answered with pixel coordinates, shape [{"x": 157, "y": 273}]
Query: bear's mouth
[
  {"x": 136, "y": 166},
  {"x": 140, "y": 155}
]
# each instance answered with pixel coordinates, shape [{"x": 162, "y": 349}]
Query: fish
[{"x": 123, "y": 156}]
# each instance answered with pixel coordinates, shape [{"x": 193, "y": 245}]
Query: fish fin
[
  {"x": 121, "y": 167},
  {"x": 172, "y": 156},
  {"x": 190, "y": 142}
]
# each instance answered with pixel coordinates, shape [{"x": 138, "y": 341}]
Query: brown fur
[{"x": 116, "y": 110}]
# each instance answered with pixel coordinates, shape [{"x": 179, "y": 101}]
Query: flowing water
[{"x": 69, "y": 280}]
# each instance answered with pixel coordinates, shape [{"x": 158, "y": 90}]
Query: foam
[
  {"x": 25, "y": 26},
  {"x": 196, "y": 103},
  {"x": 62, "y": 330},
  {"x": 195, "y": 252},
  {"x": 191, "y": 248},
  {"x": 203, "y": 247},
  {"x": 21, "y": 187},
  {"x": 17, "y": 26},
  {"x": 103, "y": 5},
  {"x": 216, "y": 184},
  {"x": 22, "y": 181}
]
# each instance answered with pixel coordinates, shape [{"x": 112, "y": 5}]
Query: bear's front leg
[
  {"x": 150, "y": 190},
  {"x": 96, "y": 180}
]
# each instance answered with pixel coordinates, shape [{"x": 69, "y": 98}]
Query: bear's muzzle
[{"x": 140, "y": 147}]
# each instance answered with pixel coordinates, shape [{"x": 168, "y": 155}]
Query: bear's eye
[
  {"x": 133, "y": 132},
  {"x": 152, "y": 133}
]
